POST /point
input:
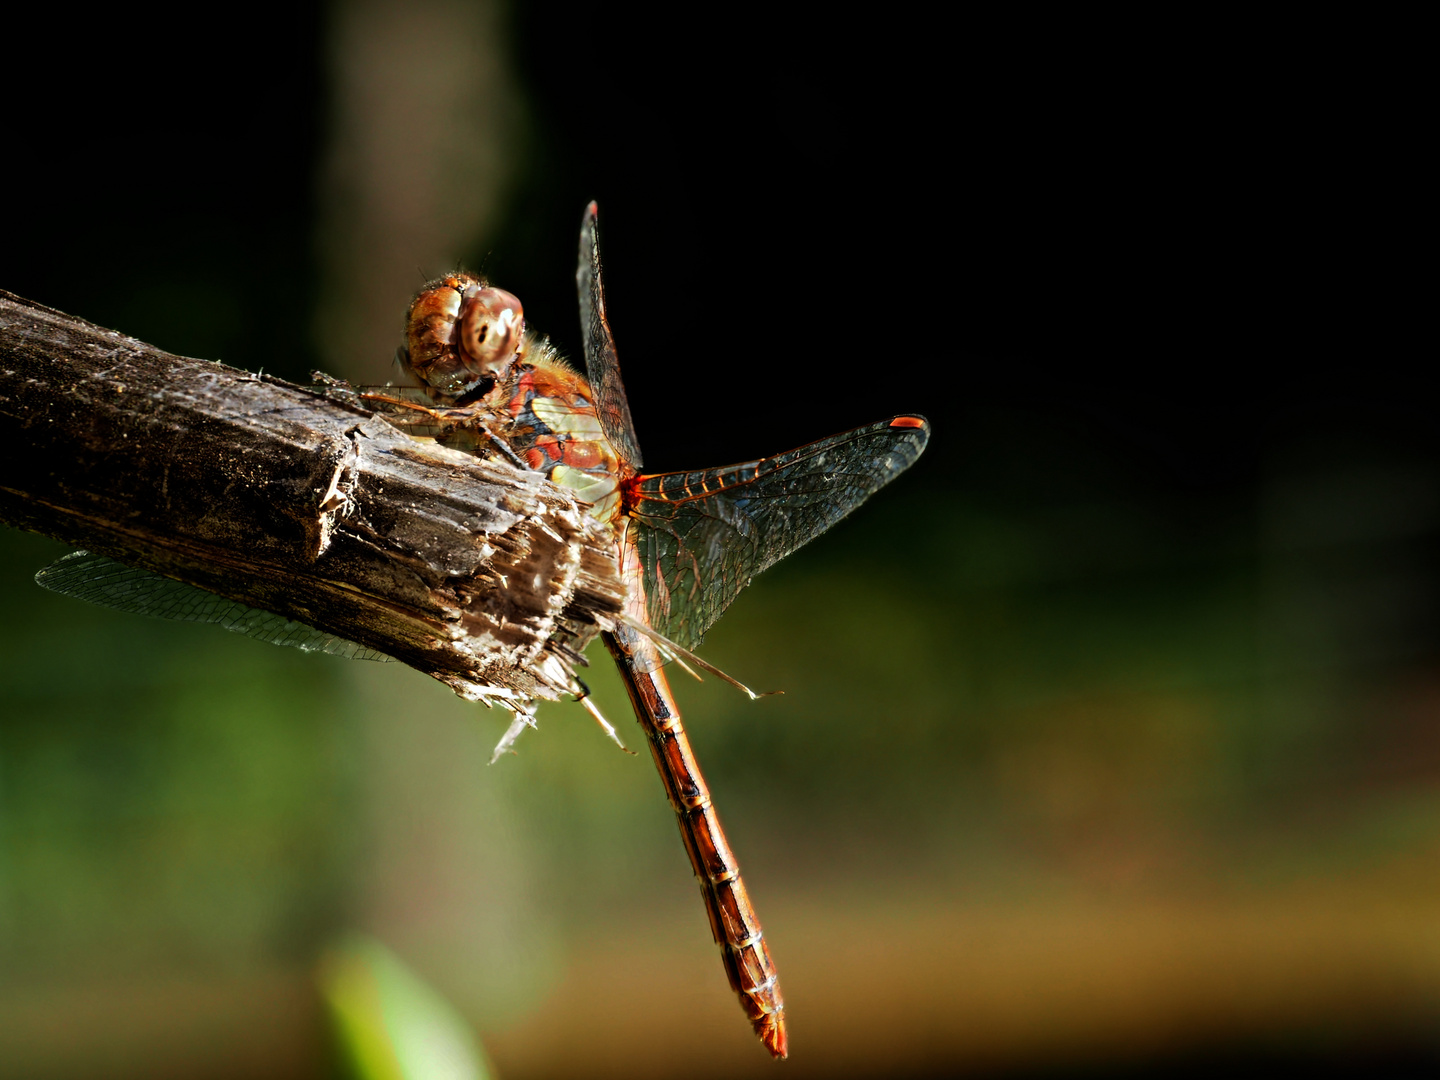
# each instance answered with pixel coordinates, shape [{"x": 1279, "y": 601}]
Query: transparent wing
[
  {"x": 702, "y": 536},
  {"x": 601, "y": 365},
  {"x": 108, "y": 583}
]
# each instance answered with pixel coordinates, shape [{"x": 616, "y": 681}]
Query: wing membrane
[
  {"x": 601, "y": 365},
  {"x": 702, "y": 536},
  {"x": 103, "y": 581}
]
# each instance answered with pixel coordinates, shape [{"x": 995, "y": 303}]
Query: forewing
[
  {"x": 103, "y": 581},
  {"x": 601, "y": 365},
  {"x": 702, "y": 536}
]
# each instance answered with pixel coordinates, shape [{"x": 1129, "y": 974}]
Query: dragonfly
[{"x": 686, "y": 542}]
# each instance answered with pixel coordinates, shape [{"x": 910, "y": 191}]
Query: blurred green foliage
[
  {"x": 390, "y": 1024},
  {"x": 164, "y": 798}
]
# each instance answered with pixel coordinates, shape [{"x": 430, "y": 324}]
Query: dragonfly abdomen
[{"x": 733, "y": 921}]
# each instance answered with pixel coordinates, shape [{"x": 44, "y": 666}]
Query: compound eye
[{"x": 491, "y": 325}]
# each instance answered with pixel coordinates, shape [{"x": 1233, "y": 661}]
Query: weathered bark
[{"x": 482, "y": 575}]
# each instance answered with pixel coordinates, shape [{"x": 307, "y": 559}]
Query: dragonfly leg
[
  {"x": 459, "y": 416},
  {"x": 585, "y": 699},
  {"x": 504, "y": 448}
]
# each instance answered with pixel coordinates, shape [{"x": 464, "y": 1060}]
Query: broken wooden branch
[{"x": 482, "y": 575}]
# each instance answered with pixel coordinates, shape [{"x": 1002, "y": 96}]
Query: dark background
[
  {"x": 1152, "y": 284},
  {"x": 1182, "y": 243}
]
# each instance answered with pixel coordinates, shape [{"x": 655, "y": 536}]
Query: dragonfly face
[
  {"x": 463, "y": 336},
  {"x": 687, "y": 543}
]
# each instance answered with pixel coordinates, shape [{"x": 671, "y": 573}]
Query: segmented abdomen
[{"x": 732, "y": 919}]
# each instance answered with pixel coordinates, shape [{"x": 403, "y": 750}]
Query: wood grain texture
[{"x": 482, "y": 575}]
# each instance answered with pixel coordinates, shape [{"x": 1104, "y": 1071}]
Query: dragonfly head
[{"x": 462, "y": 336}]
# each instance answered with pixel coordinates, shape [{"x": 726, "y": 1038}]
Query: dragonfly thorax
[{"x": 553, "y": 426}]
